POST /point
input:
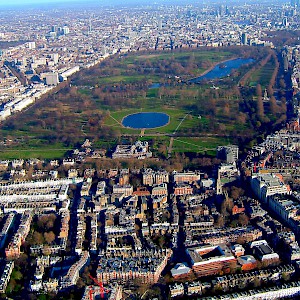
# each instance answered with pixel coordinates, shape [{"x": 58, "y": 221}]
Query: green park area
[
  {"x": 93, "y": 103},
  {"x": 262, "y": 75}
]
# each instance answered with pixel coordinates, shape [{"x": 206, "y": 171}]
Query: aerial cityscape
[{"x": 149, "y": 150}]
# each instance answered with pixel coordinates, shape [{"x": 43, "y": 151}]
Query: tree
[
  {"x": 46, "y": 222},
  {"x": 282, "y": 83},
  {"x": 243, "y": 220},
  {"x": 274, "y": 109},
  {"x": 236, "y": 192},
  {"x": 285, "y": 276},
  {"x": 37, "y": 238},
  {"x": 17, "y": 275},
  {"x": 220, "y": 221},
  {"x": 49, "y": 237},
  {"x": 260, "y": 104},
  {"x": 258, "y": 90},
  {"x": 256, "y": 282}
]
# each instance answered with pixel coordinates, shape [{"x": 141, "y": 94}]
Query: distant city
[{"x": 126, "y": 221}]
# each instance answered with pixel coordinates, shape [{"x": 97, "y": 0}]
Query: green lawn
[
  {"x": 183, "y": 56},
  {"x": 126, "y": 79},
  {"x": 262, "y": 75},
  {"x": 49, "y": 153},
  {"x": 200, "y": 144}
]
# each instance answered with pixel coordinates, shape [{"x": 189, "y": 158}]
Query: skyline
[{"x": 22, "y": 3}]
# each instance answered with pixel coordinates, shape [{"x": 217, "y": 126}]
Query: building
[
  {"x": 13, "y": 249},
  {"x": 124, "y": 177},
  {"x": 238, "y": 250},
  {"x": 127, "y": 190},
  {"x": 247, "y": 262},
  {"x": 64, "y": 76},
  {"x": 263, "y": 251},
  {"x": 182, "y": 189},
  {"x": 244, "y": 38},
  {"x": 139, "y": 150},
  {"x": 160, "y": 190},
  {"x": 151, "y": 177},
  {"x": 52, "y": 78},
  {"x": 126, "y": 265},
  {"x": 181, "y": 271},
  {"x": 111, "y": 292},
  {"x": 101, "y": 186},
  {"x": 228, "y": 153},
  {"x": 176, "y": 289},
  {"x": 227, "y": 173},
  {"x": 194, "y": 288},
  {"x": 211, "y": 260},
  {"x": 73, "y": 273},
  {"x": 186, "y": 177},
  {"x": 5, "y": 276},
  {"x": 264, "y": 185},
  {"x": 6, "y": 226},
  {"x": 228, "y": 235}
]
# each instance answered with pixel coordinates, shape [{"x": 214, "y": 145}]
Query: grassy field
[
  {"x": 203, "y": 145},
  {"x": 262, "y": 75},
  {"x": 126, "y": 79},
  {"x": 47, "y": 153},
  {"x": 182, "y": 56}
]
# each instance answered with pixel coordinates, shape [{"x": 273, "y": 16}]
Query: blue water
[
  {"x": 146, "y": 120},
  {"x": 223, "y": 69},
  {"x": 155, "y": 85}
]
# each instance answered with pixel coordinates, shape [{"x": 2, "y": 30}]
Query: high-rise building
[
  {"x": 221, "y": 10},
  {"x": 295, "y": 3},
  {"x": 55, "y": 57},
  {"x": 54, "y": 28},
  {"x": 90, "y": 25},
  {"x": 66, "y": 30},
  {"x": 227, "y": 12},
  {"x": 244, "y": 38},
  {"x": 229, "y": 153},
  {"x": 31, "y": 45},
  {"x": 159, "y": 24},
  {"x": 285, "y": 22}
]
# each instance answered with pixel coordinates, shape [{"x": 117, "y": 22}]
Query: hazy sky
[
  {"x": 18, "y": 2},
  {"x": 42, "y": 2},
  {"x": 116, "y": 2}
]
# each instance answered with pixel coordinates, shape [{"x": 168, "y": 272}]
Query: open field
[
  {"x": 262, "y": 75},
  {"x": 47, "y": 153},
  {"x": 203, "y": 145}
]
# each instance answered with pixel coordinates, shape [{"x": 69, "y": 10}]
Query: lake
[
  {"x": 223, "y": 69},
  {"x": 146, "y": 120}
]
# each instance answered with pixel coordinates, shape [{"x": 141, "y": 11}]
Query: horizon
[{"x": 37, "y": 3}]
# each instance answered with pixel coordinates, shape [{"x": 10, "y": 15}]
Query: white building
[
  {"x": 51, "y": 78},
  {"x": 264, "y": 185}
]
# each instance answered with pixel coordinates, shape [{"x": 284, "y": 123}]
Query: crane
[
  {"x": 100, "y": 284},
  {"x": 91, "y": 291}
]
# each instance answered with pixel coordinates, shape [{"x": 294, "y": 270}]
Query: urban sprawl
[{"x": 140, "y": 227}]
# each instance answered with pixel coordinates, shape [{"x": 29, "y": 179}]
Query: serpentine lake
[{"x": 223, "y": 69}]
